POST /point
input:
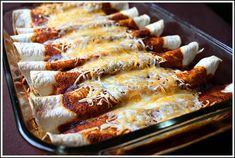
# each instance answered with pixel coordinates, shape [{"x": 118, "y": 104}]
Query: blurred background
[
  {"x": 213, "y": 18},
  {"x": 224, "y": 10}
]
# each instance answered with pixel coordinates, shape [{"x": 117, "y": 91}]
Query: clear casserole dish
[{"x": 212, "y": 120}]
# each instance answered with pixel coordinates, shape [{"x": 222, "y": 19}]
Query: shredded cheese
[
  {"x": 82, "y": 14},
  {"x": 149, "y": 112},
  {"x": 96, "y": 94}
]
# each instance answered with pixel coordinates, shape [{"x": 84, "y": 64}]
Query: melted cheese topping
[
  {"x": 149, "y": 80},
  {"x": 145, "y": 97},
  {"x": 149, "y": 110},
  {"x": 47, "y": 9},
  {"x": 107, "y": 39},
  {"x": 102, "y": 48},
  {"x": 96, "y": 30},
  {"x": 74, "y": 16},
  {"x": 116, "y": 63},
  {"x": 120, "y": 61}
]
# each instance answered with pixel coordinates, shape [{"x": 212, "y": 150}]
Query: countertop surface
[{"x": 198, "y": 15}]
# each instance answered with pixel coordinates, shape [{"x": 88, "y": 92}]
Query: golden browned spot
[
  {"x": 64, "y": 64},
  {"x": 195, "y": 77},
  {"x": 130, "y": 23},
  {"x": 154, "y": 44},
  {"x": 144, "y": 32},
  {"x": 214, "y": 95},
  {"x": 173, "y": 59},
  {"x": 84, "y": 109}
]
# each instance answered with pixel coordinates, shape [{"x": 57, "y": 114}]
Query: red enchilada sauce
[
  {"x": 173, "y": 59},
  {"x": 95, "y": 134},
  {"x": 85, "y": 110},
  {"x": 214, "y": 96},
  {"x": 44, "y": 34},
  {"x": 130, "y": 23},
  {"x": 154, "y": 44},
  {"x": 195, "y": 77},
  {"x": 53, "y": 51},
  {"x": 64, "y": 81},
  {"x": 76, "y": 126},
  {"x": 65, "y": 64},
  {"x": 141, "y": 33}
]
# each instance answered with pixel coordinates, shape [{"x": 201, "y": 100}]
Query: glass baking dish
[{"x": 161, "y": 138}]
